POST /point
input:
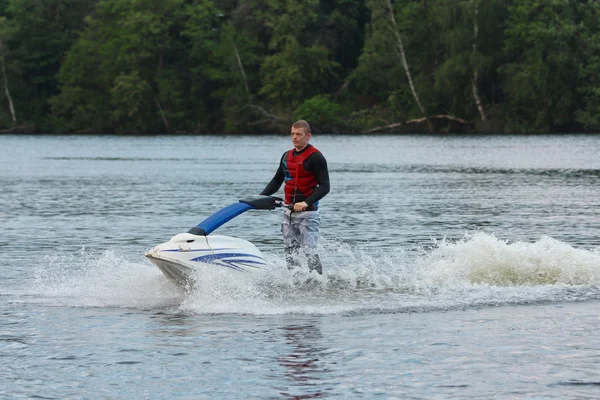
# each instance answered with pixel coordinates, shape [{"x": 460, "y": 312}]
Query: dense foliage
[{"x": 154, "y": 66}]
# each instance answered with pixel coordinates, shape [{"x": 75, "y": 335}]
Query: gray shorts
[{"x": 301, "y": 231}]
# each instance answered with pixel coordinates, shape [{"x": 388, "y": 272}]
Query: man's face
[{"x": 300, "y": 138}]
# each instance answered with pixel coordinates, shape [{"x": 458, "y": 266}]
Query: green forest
[{"x": 255, "y": 66}]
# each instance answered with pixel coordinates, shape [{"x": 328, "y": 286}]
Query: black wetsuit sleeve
[
  {"x": 317, "y": 164},
  {"x": 275, "y": 183}
]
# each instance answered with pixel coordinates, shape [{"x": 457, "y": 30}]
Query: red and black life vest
[{"x": 299, "y": 183}]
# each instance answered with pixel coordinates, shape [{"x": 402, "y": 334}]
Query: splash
[
  {"x": 481, "y": 258},
  {"x": 477, "y": 271},
  {"x": 351, "y": 276},
  {"x": 99, "y": 280}
]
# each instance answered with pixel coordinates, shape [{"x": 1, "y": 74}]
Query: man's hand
[{"x": 300, "y": 206}]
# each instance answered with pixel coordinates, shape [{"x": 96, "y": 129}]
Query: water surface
[{"x": 455, "y": 267}]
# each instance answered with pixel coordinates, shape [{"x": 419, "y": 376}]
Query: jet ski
[{"x": 186, "y": 256}]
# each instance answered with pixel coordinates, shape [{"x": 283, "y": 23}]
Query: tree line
[{"x": 253, "y": 66}]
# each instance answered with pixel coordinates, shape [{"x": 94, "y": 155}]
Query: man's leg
[
  {"x": 291, "y": 243},
  {"x": 292, "y": 257},
  {"x": 309, "y": 236},
  {"x": 314, "y": 264}
]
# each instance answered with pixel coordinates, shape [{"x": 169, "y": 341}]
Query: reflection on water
[{"x": 304, "y": 360}]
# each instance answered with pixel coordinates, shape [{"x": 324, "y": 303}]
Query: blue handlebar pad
[{"x": 219, "y": 218}]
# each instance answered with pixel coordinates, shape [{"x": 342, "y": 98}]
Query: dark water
[{"x": 455, "y": 267}]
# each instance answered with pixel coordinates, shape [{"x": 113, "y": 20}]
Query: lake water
[{"x": 454, "y": 267}]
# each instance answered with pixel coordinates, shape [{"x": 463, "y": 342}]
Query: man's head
[{"x": 300, "y": 134}]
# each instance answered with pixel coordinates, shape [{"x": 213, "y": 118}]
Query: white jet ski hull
[{"x": 187, "y": 257}]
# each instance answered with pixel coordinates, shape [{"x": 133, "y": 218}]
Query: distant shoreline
[{"x": 130, "y": 134}]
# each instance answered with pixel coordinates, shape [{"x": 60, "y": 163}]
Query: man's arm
[{"x": 317, "y": 164}]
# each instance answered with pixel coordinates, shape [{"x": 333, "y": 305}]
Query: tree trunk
[
  {"x": 242, "y": 71},
  {"x": 160, "y": 109},
  {"x": 400, "y": 50},
  {"x": 416, "y": 121},
  {"x": 475, "y": 68},
  {"x": 6, "y": 91},
  {"x": 162, "y": 115}
]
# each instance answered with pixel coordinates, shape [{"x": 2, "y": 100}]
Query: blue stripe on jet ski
[{"x": 218, "y": 259}]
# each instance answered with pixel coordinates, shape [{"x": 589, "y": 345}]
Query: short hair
[{"x": 302, "y": 124}]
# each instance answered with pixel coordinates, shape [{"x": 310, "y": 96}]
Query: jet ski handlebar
[
  {"x": 233, "y": 210},
  {"x": 263, "y": 202}
]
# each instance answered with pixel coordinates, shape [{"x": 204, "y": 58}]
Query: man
[{"x": 304, "y": 171}]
